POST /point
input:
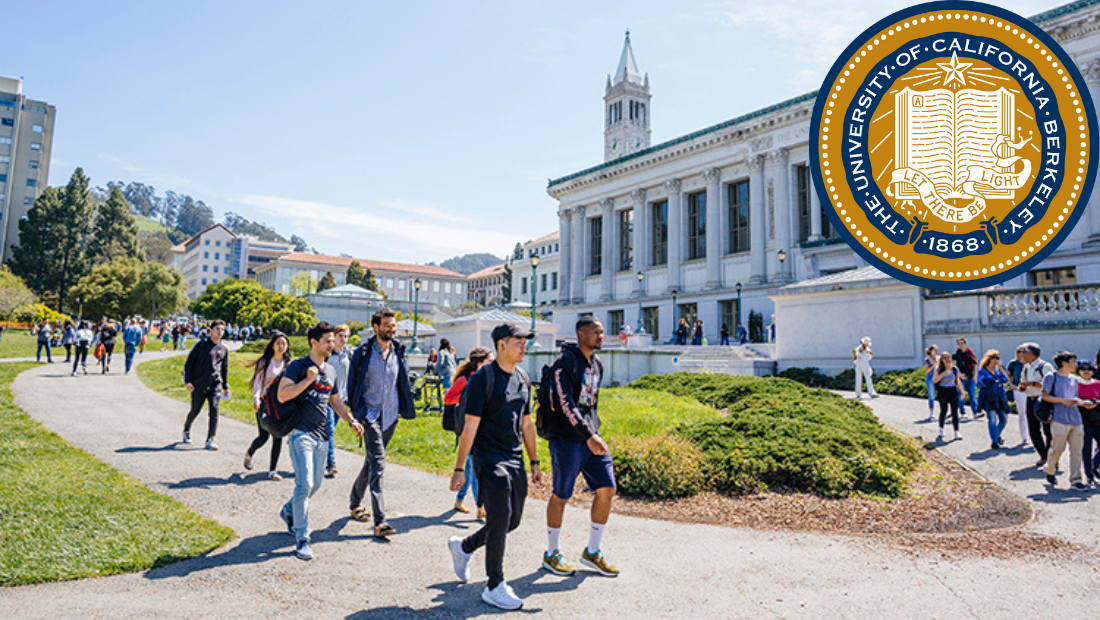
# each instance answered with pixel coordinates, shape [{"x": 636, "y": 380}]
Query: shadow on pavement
[
  {"x": 458, "y": 600},
  {"x": 207, "y": 482},
  {"x": 130, "y": 449},
  {"x": 250, "y": 551},
  {"x": 403, "y": 525},
  {"x": 989, "y": 453},
  {"x": 1055, "y": 495}
]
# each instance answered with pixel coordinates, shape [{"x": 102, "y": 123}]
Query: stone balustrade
[{"x": 1048, "y": 304}]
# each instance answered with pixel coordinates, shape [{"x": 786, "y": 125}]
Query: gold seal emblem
[{"x": 955, "y": 145}]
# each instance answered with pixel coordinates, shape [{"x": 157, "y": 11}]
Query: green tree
[
  {"x": 127, "y": 286},
  {"x": 14, "y": 295},
  {"x": 302, "y": 284},
  {"x": 50, "y": 256},
  {"x": 506, "y": 288},
  {"x": 356, "y": 275},
  {"x": 194, "y": 216},
  {"x": 299, "y": 244},
  {"x": 160, "y": 291},
  {"x": 156, "y": 246},
  {"x": 227, "y": 299},
  {"x": 327, "y": 282},
  {"x": 115, "y": 233},
  {"x": 292, "y": 315},
  {"x": 108, "y": 289},
  {"x": 371, "y": 283}
]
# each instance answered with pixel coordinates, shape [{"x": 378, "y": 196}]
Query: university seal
[{"x": 955, "y": 145}]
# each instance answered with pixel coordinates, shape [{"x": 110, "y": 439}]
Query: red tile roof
[
  {"x": 553, "y": 235},
  {"x": 373, "y": 265},
  {"x": 488, "y": 271}
]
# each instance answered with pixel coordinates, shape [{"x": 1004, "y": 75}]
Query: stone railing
[{"x": 1047, "y": 304}]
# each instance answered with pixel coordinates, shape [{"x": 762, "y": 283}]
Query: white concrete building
[
  {"x": 438, "y": 286},
  {"x": 486, "y": 287},
  {"x": 722, "y": 218},
  {"x": 217, "y": 253},
  {"x": 26, "y": 141},
  {"x": 546, "y": 279}
]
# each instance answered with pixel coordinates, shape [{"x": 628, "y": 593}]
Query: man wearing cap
[
  {"x": 497, "y": 427},
  {"x": 861, "y": 357}
]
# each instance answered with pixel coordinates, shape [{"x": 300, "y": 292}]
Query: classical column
[
  {"x": 713, "y": 179},
  {"x": 758, "y": 225},
  {"x": 607, "y": 262},
  {"x": 675, "y": 233},
  {"x": 781, "y": 176},
  {"x": 1091, "y": 73},
  {"x": 815, "y": 213},
  {"x": 565, "y": 225},
  {"x": 641, "y": 232},
  {"x": 579, "y": 259}
]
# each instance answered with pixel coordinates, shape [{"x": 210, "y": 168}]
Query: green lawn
[
  {"x": 66, "y": 515},
  {"x": 146, "y": 224},
  {"x": 21, "y": 343},
  {"x": 422, "y": 443}
]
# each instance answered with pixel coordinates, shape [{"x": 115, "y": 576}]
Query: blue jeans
[
  {"x": 131, "y": 349},
  {"x": 1089, "y": 454},
  {"x": 183, "y": 342},
  {"x": 931, "y": 388},
  {"x": 38, "y": 355},
  {"x": 970, "y": 387},
  {"x": 308, "y": 455},
  {"x": 332, "y": 420},
  {"x": 471, "y": 481},
  {"x": 997, "y": 419}
]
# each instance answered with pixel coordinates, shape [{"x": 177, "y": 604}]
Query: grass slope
[{"x": 66, "y": 515}]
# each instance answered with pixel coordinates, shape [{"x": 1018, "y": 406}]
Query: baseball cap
[{"x": 507, "y": 330}]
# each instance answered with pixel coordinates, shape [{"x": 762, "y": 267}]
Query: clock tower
[{"x": 626, "y": 108}]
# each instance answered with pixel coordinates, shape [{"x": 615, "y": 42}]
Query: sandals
[
  {"x": 360, "y": 514},
  {"x": 461, "y": 507},
  {"x": 383, "y": 530}
]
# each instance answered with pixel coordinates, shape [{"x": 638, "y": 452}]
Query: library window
[
  {"x": 660, "y": 233},
  {"x": 697, "y": 225},
  {"x": 595, "y": 246},
  {"x": 36, "y": 128},
  {"x": 738, "y": 201}
]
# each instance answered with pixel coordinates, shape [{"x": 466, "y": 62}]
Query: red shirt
[{"x": 455, "y": 393}]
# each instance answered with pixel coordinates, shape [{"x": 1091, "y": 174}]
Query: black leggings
[
  {"x": 948, "y": 397},
  {"x": 1039, "y": 431},
  {"x": 261, "y": 439},
  {"x": 81, "y": 357}
]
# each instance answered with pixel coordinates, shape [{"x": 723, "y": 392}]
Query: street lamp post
[
  {"x": 782, "y": 254},
  {"x": 641, "y": 322},
  {"x": 533, "y": 344},
  {"x": 675, "y": 319},
  {"x": 415, "y": 350},
  {"x": 738, "y": 303},
  {"x": 80, "y": 301}
]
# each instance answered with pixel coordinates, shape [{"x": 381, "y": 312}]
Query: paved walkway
[
  {"x": 669, "y": 570},
  {"x": 1060, "y": 512}
]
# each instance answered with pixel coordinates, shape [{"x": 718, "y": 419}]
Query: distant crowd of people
[{"x": 488, "y": 405}]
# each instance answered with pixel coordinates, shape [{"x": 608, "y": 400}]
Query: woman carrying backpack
[
  {"x": 478, "y": 358},
  {"x": 447, "y": 362},
  {"x": 82, "y": 340},
  {"x": 265, "y": 370},
  {"x": 947, "y": 391},
  {"x": 67, "y": 338},
  {"x": 107, "y": 334}
]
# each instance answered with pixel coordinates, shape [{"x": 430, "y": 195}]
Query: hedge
[{"x": 780, "y": 434}]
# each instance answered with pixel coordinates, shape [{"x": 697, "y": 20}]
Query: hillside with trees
[{"x": 470, "y": 263}]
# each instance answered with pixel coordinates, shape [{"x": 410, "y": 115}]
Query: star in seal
[{"x": 955, "y": 70}]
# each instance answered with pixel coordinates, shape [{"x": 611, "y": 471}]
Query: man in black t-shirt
[
  {"x": 497, "y": 426},
  {"x": 311, "y": 381}
]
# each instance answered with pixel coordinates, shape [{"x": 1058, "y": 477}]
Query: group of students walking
[
  {"x": 369, "y": 388},
  {"x": 1057, "y": 404}
]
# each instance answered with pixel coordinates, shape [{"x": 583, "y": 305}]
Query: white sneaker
[
  {"x": 502, "y": 596},
  {"x": 941, "y": 432},
  {"x": 186, "y": 437},
  {"x": 210, "y": 445},
  {"x": 461, "y": 559},
  {"x": 958, "y": 435}
]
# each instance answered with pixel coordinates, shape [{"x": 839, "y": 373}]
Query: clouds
[{"x": 395, "y": 230}]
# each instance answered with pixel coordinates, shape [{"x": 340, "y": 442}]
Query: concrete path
[
  {"x": 669, "y": 570},
  {"x": 1060, "y": 511}
]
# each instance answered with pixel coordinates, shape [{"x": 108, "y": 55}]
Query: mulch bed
[{"x": 947, "y": 509}]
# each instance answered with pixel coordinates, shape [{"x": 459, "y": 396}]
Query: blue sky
[{"x": 406, "y": 131}]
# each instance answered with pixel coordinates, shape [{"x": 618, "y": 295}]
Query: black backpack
[
  {"x": 277, "y": 418},
  {"x": 459, "y": 420},
  {"x": 544, "y": 401}
]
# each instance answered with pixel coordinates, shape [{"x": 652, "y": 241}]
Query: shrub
[
  {"x": 810, "y": 376},
  {"x": 779, "y": 433},
  {"x": 893, "y": 382},
  {"x": 660, "y": 466},
  {"x": 41, "y": 312}
]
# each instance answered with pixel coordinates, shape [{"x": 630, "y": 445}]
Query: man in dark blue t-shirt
[
  {"x": 497, "y": 427},
  {"x": 312, "y": 381}
]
